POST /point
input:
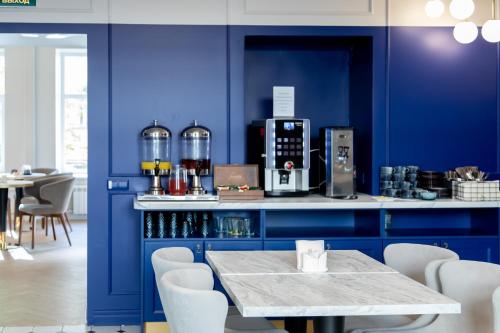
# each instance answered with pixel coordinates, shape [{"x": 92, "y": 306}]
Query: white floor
[{"x": 71, "y": 329}]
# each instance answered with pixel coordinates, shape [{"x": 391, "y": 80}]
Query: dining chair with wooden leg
[{"x": 58, "y": 196}]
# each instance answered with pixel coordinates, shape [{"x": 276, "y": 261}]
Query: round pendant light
[
  {"x": 462, "y": 9},
  {"x": 491, "y": 31},
  {"x": 434, "y": 8},
  {"x": 465, "y": 32}
]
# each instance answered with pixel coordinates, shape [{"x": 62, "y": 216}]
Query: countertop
[{"x": 313, "y": 202}]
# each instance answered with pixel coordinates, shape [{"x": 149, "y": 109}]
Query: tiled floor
[{"x": 71, "y": 329}]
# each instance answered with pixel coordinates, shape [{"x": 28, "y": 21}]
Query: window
[
  {"x": 2, "y": 109},
  {"x": 71, "y": 115}
]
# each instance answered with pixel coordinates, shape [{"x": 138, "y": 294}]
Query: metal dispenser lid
[
  {"x": 196, "y": 131},
  {"x": 156, "y": 131}
]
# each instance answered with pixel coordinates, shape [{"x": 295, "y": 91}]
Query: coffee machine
[
  {"x": 337, "y": 170},
  {"x": 280, "y": 146}
]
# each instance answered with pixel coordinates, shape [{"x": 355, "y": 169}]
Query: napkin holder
[
  {"x": 311, "y": 256},
  {"x": 314, "y": 262}
]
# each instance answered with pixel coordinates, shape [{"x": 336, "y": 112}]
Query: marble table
[
  {"x": 267, "y": 284},
  {"x": 285, "y": 262},
  {"x": 4, "y": 195}
]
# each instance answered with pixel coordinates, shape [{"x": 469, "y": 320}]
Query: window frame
[{"x": 61, "y": 98}]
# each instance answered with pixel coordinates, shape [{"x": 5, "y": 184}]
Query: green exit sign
[{"x": 17, "y": 3}]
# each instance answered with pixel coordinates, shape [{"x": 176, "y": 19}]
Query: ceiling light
[
  {"x": 462, "y": 9},
  {"x": 434, "y": 8},
  {"x": 465, "y": 32},
  {"x": 56, "y": 36},
  {"x": 30, "y": 35},
  {"x": 491, "y": 31}
]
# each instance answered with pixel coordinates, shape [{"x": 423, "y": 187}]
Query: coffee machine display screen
[
  {"x": 289, "y": 143},
  {"x": 289, "y": 126}
]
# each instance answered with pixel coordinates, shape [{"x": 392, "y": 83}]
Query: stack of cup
[
  {"x": 386, "y": 183},
  {"x": 398, "y": 181}
]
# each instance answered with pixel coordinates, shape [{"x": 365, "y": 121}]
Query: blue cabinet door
[
  {"x": 478, "y": 249},
  {"x": 152, "y": 308},
  {"x": 279, "y": 245},
  {"x": 370, "y": 247}
]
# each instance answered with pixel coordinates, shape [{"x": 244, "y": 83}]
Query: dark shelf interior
[{"x": 318, "y": 233}]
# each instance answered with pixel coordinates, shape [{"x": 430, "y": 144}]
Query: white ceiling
[{"x": 71, "y": 41}]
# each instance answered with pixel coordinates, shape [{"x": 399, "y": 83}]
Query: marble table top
[
  {"x": 16, "y": 183},
  {"x": 267, "y": 284},
  {"x": 285, "y": 262},
  {"x": 359, "y": 294}
]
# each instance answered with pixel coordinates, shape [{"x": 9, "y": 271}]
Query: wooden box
[{"x": 237, "y": 175}]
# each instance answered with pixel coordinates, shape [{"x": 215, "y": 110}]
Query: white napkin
[
  {"x": 304, "y": 246},
  {"x": 314, "y": 262}
]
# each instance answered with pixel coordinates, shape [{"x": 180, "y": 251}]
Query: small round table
[{"x": 4, "y": 196}]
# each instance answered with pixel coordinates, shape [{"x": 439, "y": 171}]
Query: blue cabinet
[
  {"x": 153, "y": 310},
  {"x": 479, "y": 249},
  {"x": 370, "y": 247}
]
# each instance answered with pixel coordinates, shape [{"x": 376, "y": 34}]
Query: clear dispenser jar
[
  {"x": 195, "y": 156},
  {"x": 155, "y": 149}
]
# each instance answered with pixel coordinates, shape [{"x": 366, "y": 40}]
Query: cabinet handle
[
  {"x": 446, "y": 246},
  {"x": 198, "y": 248},
  {"x": 209, "y": 246},
  {"x": 328, "y": 246}
]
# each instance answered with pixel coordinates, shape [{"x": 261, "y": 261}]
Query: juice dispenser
[
  {"x": 195, "y": 141},
  {"x": 155, "y": 150}
]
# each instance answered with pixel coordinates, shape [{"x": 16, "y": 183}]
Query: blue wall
[
  {"x": 442, "y": 100},
  {"x": 434, "y": 103}
]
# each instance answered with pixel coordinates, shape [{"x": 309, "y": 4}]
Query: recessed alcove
[{"x": 332, "y": 77}]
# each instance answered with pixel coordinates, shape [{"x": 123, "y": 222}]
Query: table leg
[
  {"x": 4, "y": 195},
  {"x": 19, "y": 196},
  {"x": 329, "y": 324},
  {"x": 296, "y": 324}
]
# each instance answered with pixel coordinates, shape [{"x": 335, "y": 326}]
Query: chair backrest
[
  {"x": 190, "y": 303},
  {"x": 412, "y": 259},
  {"x": 496, "y": 310},
  {"x": 169, "y": 258},
  {"x": 471, "y": 283},
  {"x": 58, "y": 193},
  {"x": 47, "y": 171},
  {"x": 39, "y": 182}
]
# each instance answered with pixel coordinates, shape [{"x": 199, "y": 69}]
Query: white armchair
[{"x": 193, "y": 307}]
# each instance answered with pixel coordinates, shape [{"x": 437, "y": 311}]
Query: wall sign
[{"x": 17, "y": 3}]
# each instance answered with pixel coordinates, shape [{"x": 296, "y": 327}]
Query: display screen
[{"x": 289, "y": 126}]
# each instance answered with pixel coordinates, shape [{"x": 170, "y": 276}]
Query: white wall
[
  {"x": 45, "y": 115},
  {"x": 30, "y": 106},
  {"x": 251, "y": 12},
  {"x": 19, "y": 106}
]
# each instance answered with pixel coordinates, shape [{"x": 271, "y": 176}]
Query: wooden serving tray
[{"x": 237, "y": 175}]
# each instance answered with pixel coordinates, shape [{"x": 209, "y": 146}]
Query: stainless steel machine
[
  {"x": 280, "y": 146},
  {"x": 338, "y": 171}
]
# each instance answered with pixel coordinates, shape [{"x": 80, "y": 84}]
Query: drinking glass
[
  {"x": 219, "y": 227},
  {"x": 177, "y": 183},
  {"x": 247, "y": 227},
  {"x": 234, "y": 226}
]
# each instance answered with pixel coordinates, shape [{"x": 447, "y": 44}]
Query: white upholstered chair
[
  {"x": 173, "y": 258},
  {"x": 192, "y": 306},
  {"x": 475, "y": 285},
  {"x": 496, "y": 309},
  {"x": 419, "y": 262}
]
